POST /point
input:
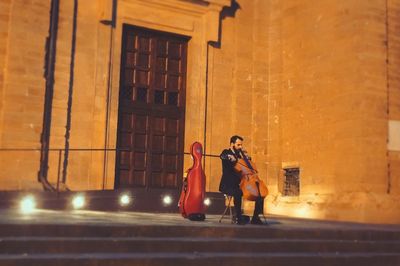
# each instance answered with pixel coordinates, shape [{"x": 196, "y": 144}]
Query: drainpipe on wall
[
  {"x": 215, "y": 45},
  {"x": 111, "y": 23},
  {"x": 389, "y": 177},
  {"x": 70, "y": 93},
  {"x": 50, "y": 60}
]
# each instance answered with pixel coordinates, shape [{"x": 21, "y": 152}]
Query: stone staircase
[{"x": 195, "y": 244}]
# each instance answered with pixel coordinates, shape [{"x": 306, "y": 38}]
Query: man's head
[{"x": 236, "y": 142}]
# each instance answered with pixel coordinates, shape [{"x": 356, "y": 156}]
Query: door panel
[{"x": 151, "y": 109}]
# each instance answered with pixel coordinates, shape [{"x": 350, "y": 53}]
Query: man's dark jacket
[{"x": 230, "y": 179}]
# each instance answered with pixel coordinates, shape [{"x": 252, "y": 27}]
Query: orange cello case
[{"x": 191, "y": 201}]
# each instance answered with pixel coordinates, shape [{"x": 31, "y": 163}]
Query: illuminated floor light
[
  {"x": 167, "y": 200},
  {"x": 302, "y": 212},
  {"x": 207, "y": 202},
  {"x": 78, "y": 202},
  {"x": 125, "y": 200},
  {"x": 28, "y": 204}
]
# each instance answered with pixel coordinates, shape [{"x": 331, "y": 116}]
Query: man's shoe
[
  {"x": 256, "y": 220},
  {"x": 241, "y": 220}
]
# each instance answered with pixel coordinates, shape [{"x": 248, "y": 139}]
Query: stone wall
[
  {"x": 23, "y": 34},
  {"x": 308, "y": 84},
  {"x": 84, "y": 166},
  {"x": 323, "y": 107},
  {"x": 23, "y": 85},
  {"x": 4, "y": 24},
  {"x": 22, "y": 57},
  {"x": 334, "y": 100},
  {"x": 394, "y": 91}
]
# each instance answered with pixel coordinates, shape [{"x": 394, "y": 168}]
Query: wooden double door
[{"x": 151, "y": 109}]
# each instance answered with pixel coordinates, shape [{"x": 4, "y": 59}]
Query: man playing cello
[{"x": 231, "y": 180}]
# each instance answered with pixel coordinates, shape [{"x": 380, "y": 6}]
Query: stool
[{"x": 228, "y": 207}]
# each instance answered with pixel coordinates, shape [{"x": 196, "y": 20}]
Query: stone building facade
[{"x": 312, "y": 86}]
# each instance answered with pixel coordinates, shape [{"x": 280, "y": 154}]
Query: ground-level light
[
  {"x": 207, "y": 202},
  {"x": 167, "y": 200},
  {"x": 125, "y": 200},
  {"x": 78, "y": 202},
  {"x": 28, "y": 204}
]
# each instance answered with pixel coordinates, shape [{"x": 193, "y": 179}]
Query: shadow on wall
[
  {"x": 226, "y": 12},
  {"x": 230, "y": 11}
]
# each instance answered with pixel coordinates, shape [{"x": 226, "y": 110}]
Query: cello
[
  {"x": 191, "y": 201},
  {"x": 250, "y": 184}
]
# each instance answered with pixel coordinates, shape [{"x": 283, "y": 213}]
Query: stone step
[
  {"x": 52, "y": 245},
  {"x": 203, "y": 258},
  {"x": 125, "y": 238},
  {"x": 195, "y": 230}
]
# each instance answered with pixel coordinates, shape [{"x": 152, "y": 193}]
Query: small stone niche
[{"x": 291, "y": 181}]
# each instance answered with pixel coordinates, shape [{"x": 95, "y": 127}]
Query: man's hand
[{"x": 231, "y": 158}]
